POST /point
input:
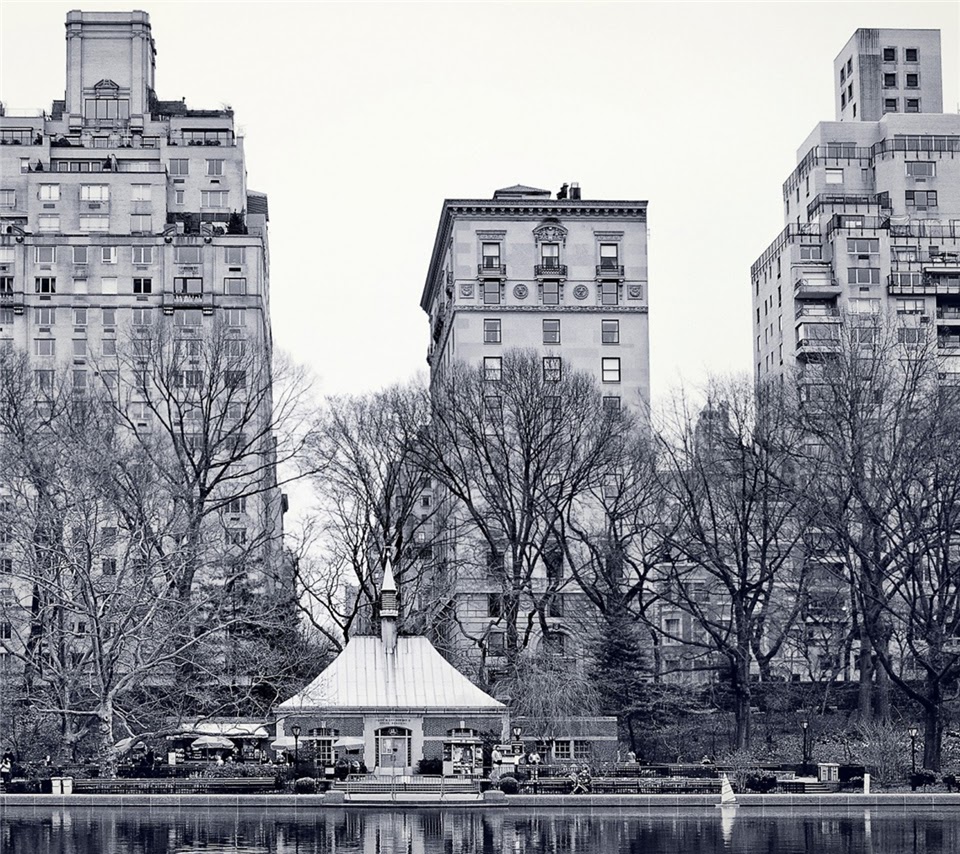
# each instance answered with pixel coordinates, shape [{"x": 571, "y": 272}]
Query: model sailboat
[{"x": 727, "y": 796}]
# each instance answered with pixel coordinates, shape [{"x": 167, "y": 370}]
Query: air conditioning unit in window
[{"x": 924, "y": 318}]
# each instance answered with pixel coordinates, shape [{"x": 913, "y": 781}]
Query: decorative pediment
[
  {"x": 106, "y": 85},
  {"x": 550, "y": 231}
]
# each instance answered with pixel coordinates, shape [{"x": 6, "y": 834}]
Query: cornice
[{"x": 555, "y": 309}]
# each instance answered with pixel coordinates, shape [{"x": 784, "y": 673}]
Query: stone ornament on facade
[
  {"x": 581, "y": 291},
  {"x": 635, "y": 292},
  {"x": 466, "y": 289},
  {"x": 520, "y": 291},
  {"x": 550, "y": 232}
]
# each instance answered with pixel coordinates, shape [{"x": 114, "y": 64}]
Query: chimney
[
  {"x": 562, "y": 192},
  {"x": 388, "y": 610},
  {"x": 575, "y": 191}
]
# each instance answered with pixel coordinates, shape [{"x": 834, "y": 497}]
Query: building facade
[
  {"x": 872, "y": 211},
  {"x": 127, "y": 232}
]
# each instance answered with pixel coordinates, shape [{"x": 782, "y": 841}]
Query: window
[
  {"x": 108, "y": 254},
  {"x": 49, "y": 222},
  {"x": 611, "y": 403},
  {"x": 550, "y": 291},
  {"x": 552, "y": 369},
  {"x": 188, "y": 347},
  {"x": 108, "y": 285},
  {"x": 142, "y": 317},
  {"x": 235, "y": 286},
  {"x": 610, "y": 370},
  {"x": 107, "y": 108},
  {"x": 188, "y": 285},
  {"x": 45, "y": 254},
  {"x": 6, "y": 284},
  {"x": 495, "y": 644},
  {"x": 550, "y": 255},
  {"x": 553, "y": 564},
  {"x": 109, "y": 317},
  {"x": 911, "y": 334},
  {"x": 863, "y": 246},
  {"x": 234, "y": 379},
  {"x": 911, "y": 105},
  {"x": 179, "y": 166},
  {"x": 889, "y": 81},
  {"x": 889, "y": 54},
  {"x": 108, "y": 566},
  {"x": 913, "y": 81},
  {"x": 609, "y": 256},
  {"x": 551, "y": 331},
  {"x": 911, "y": 54},
  {"x": 493, "y": 409},
  {"x": 491, "y": 331},
  {"x": 8, "y": 198},
  {"x": 140, "y": 192},
  {"x": 45, "y": 347},
  {"x": 233, "y": 254},
  {"x": 95, "y": 192},
  {"x": 910, "y": 306},
  {"x": 79, "y": 317},
  {"x": 142, "y": 254},
  {"x": 213, "y": 198},
  {"x": 45, "y": 284},
  {"x": 834, "y": 176},
  {"x": 80, "y": 254},
  {"x": 79, "y": 347},
  {"x": 189, "y": 317},
  {"x": 863, "y": 305},
  {"x": 6, "y": 566},
  {"x": 141, "y": 223},
  {"x": 811, "y": 253},
  {"x": 494, "y": 605},
  {"x": 94, "y": 223},
  {"x": 179, "y": 197},
  {"x": 581, "y": 750},
  {"x": 921, "y": 168},
  {"x": 890, "y": 105},
  {"x": 921, "y": 199},
  {"x": 236, "y": 536},
  {"x": 215, "y": 167},
  {"x": 491, "y": 256},
  {"x": 552, "y": 409},
  {"x": 492, "y": 368},
  {"x": 44, "y": 380},
  {"x": 555, "y": 643},
  {"x": 491, "y": 293},
  {"x": 49, "y": 193},
  {"x": 234, "y": 348},
  {"x": 236, "y": 506},
  {"x": 863, "y": 275},
  {"x": 187, "y": 254},
  {"x": 235, "y": 317},
  {"x": 80, "y": 285},
  {"x": 610, "y": 331},
  {"x": 562, "y": 750},
  {"x": 609, "y": 293}
]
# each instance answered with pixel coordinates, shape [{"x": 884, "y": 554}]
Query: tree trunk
[
  {"x": 106, "y": 751},
  {"x": 933, "y": 727},
  {"x": 865, "y": 694},
  {"x": 741, "y": 709}
]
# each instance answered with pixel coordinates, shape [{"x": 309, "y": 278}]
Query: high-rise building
[
  {"x": 872, "y": 211},
  {"x": 563, "y": 278},
  {"x": 126, "y": 226},
  {"x": 566, "y": 277}
]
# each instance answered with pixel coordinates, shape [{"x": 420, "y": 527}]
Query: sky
[{"x": 359, "y": 119}]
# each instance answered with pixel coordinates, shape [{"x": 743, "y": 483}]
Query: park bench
[
  {"x": 174, "y": 786},
  {"x": 417, "y": 785}
]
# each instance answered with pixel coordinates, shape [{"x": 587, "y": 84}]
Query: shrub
[
  {"x": 430, "y": 766},
  {"x": 923, "y": 777},
  {"x": 508, "y": 784},
  {"x": 763, "y": 783},
  {"x": 305, "y": 786}
]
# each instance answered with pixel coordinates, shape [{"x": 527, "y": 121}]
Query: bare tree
[{"x": 732, "y": 475}]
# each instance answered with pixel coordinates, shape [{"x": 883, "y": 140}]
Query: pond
[{"x": 27, "y": 830}]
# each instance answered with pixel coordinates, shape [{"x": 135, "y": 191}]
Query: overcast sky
[{"x": 361, "y": 118}]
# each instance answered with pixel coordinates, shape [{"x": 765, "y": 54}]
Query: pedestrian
[
  {"x": 497, "y": 757},
  {"x": 6, "y": 768}
]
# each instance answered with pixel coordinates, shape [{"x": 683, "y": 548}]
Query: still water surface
[{"x": 505, "y": 831}]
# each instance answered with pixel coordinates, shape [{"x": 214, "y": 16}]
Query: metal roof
[{"x": 415, "y": 676}]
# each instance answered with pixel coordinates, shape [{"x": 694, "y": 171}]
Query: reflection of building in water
[{"x": 401, "y": 697}]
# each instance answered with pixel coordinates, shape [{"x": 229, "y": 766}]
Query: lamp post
[
  {"x": 805, "y": 725},
  {"x": 295, "y": 730},
  {"x": 913, "y": 749}
]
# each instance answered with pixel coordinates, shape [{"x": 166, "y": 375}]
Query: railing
[
  {"x": 817, "y": 344},
  {"x": 613, "y": 270},
  {"x": 817, "y": 311},
  {"x": 547, "y": 270},
  {"x": 945, "y": 342},
  {"x": 948, "y": 313},
  {"x": 880, "y": 201},
  {"x": 493, "y": 270},
  {"x": 922, "y": 228},
  {"x": 788, "y": 235},
  {"x": 861, "y": 224}
]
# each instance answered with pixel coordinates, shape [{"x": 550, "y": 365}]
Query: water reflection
[{"x": 506, "y": 831}]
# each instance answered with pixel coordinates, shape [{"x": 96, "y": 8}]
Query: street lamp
[
  {"x": 913, "y": 748},
  {"x": 805, "y": 725},
  {"x": 295, "y": 730}
]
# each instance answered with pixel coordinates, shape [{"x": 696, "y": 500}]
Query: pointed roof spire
[{"x": 388, "y": 582}]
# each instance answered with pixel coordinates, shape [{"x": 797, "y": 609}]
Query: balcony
[
  {"x": 491, "y": 269},
  {"x": 14, "y": 300},
  {"x": 817, "y": 346},
  {"x": 814, "y": 280},
  {"x": 610, "y": 270},
  {"x": 948, "y": 314},
  {"x": 821, "y": 312},
  {"x": 550, "y": 270},
  {"x": 951, "y": 343}
]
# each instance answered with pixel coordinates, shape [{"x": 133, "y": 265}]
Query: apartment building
[
  {"x": 872, "y": 212},
  {"x": 122, "y": 215},
  {"x": 563, "y": 277}
]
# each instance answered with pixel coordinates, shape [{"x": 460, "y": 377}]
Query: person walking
[{"x": 6, "y": 769}]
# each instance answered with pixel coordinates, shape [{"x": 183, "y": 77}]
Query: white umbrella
[
  {"x": 215, "y": 742},
  {"x": 349, "y": 743},
  {"x": 284, "y": 742},
  {"x": 129, "y": 743}
]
